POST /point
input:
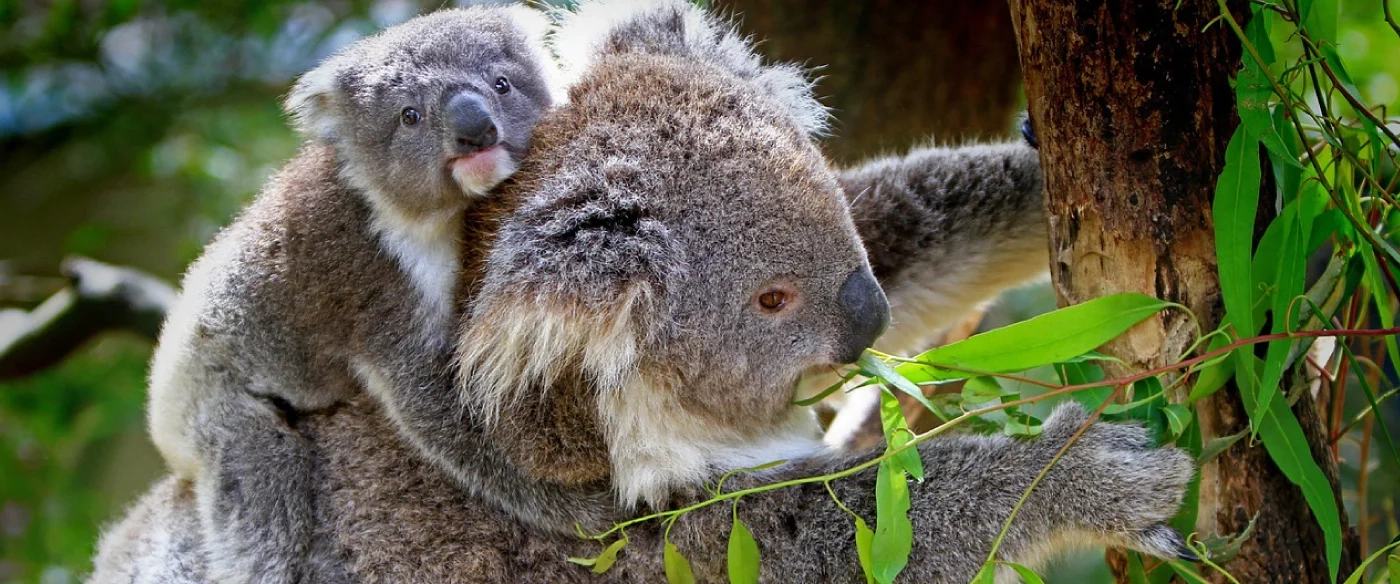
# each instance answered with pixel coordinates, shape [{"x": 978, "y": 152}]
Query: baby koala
[{"x": 342, "y": 272}]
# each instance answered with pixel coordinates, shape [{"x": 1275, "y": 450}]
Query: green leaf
[
  {"x": 1320, "y": 19},
  {"x": 987, "y": 575},
  {"x": 1292, "y": 268},
  {"x": 1390, "y": 561},
  {"x": 677, "y": 567},
  {"x": 1049, "y": 338},
  {"x": 897, "y": 434},
  {"x": 1236, "y": 201},
  {"x": 1028, "y": 576},
  {"x": 864, "y": 538},
  {"x": 894, "y": 534},
  {"x": 872, "y": 366},
  {"x": 604, "y": 560},
  {"x": 1136, "y": 573},
  {"x": 1392, "y": 566},
  {"x": 743, "y": 555},
  {"x": 1253, "y": 95},
  {"x": 1286, "y": 444},
  {"x": 1218, "y": 445},
  {"x": 1178, "y": 418},
  {"x": 1022, "y": 425}
]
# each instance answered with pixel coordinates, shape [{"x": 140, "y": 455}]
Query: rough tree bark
[
  {"x": 895, "y": 72},
  {"x": 1133, "y": 105}
]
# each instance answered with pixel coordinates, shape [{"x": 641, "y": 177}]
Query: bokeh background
[{"x": 132, "y": 130}]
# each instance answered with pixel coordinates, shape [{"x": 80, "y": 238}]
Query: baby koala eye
[
  {"x": 502, "y": 85},
  {"x": 410, "y": 116}
]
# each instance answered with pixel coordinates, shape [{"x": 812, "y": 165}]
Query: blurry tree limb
[
  {"x": 896, "y": 73},
  {"x": 99, "y": 298}
]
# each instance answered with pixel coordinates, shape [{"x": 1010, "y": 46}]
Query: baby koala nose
[
  {"x": 867, "y": 314},
  {"x": 469, "y": 119}
]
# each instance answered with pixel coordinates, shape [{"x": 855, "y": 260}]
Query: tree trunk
[
  {"x": 1133, "y": 106},
  {"x": 896, "y": 73}
]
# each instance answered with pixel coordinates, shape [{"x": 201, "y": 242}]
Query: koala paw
[{"x": 1116, "y": 486}]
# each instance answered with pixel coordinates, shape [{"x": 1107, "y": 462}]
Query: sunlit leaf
[
  {"x": 872, "y": 366},
  {"x": 864, "y": 539},
  {"x": 743, "y": 555},
  {"x": 677, "y": 567},
  {"x": 604, "y": 560},
  {"x": 894, "y": 534},
  {"x": 897, "y": 434},
  {"x": 1028, "y": 576},
  {"x": 1049, "y": 338},
  {"x": 1178, "y": 417}
]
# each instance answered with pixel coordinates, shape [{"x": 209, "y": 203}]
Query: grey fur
[
  {"x": 343, "y": 268},
  {"x": 625, "y": 259}
]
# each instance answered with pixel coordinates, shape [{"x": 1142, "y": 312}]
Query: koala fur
[
  {"x": 344, "y": 267},
  {"x": 618, "y": 350}
]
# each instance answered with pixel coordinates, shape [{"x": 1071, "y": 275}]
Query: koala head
[
  {"x": 433, "y": 109},
  {"x": 679, "y": 244}
]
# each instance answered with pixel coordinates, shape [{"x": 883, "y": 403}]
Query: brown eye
[
  {"x": 772, "y": 300},
  {"x": 410, "y": 116},
  {"x": 502, "y": 85}
]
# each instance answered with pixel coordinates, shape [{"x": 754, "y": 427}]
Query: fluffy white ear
[
  {"x": 677, "y": 27},
  {"x": 311, "y": 102}
]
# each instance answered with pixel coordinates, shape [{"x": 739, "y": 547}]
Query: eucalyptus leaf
[
  {"x": 743, "y": 555},
  {"x": 864, "y": 539},
  {"x": 1028, "y": 576},
  {"x": 677, "y": 567},
  {"x": 1286, "y": 444},
  {"x": 897, "y": 434},
  {"x": 894, "y": 534},
  {"x": 1053, "y": 337},
  {"x": 873, "y": 366}
]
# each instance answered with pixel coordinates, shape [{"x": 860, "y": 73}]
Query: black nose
[
  {"x": 867, "y": 314},
  {"x": 469, "y": 119}
]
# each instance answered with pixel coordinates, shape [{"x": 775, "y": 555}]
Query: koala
[
  {"x": 344, "y": 267},
  {"x": 640, "y": 305}
]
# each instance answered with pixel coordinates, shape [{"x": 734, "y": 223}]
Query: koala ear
[
  {"x": 312, "y": 102},
  {"x": 677, "y": 27},
  {"x": 536, "y": 25},
  {"x": 572, "y": 286}
]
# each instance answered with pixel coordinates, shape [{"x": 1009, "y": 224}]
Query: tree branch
[{"x": 99, "y": 298}]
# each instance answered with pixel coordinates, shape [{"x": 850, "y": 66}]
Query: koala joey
[
  {"x": 344, "y": 267},
  {"x": 641, "y": 303}
]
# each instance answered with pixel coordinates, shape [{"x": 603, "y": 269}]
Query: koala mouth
[{"x": 478, "y": 172}]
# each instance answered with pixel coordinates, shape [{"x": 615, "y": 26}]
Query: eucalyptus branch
[{"x": 925, "y": 436}]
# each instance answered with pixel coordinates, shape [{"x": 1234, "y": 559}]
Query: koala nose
[
  {"x": 469, "y": 119},
  {"x": 867, "y": 314}
]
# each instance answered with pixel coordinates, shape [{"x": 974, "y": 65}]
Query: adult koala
[{"x": 672, "y": 258}]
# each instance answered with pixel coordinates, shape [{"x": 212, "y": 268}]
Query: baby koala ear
[
  {"x": 312, "y": 102},
  {"x": 678, "y": 27}
]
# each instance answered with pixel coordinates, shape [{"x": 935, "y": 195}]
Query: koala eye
[
  {"x": 773, "y": 300},
  {"x": 410, "y": 116},
  {"x": 502, "y": 85}
]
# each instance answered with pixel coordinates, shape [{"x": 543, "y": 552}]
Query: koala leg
[{"x": 256, "y": 500}]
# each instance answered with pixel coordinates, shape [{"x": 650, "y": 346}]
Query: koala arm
[
  {"x": 1111, "y": 487},
  {"x": 947, "y": 229}
]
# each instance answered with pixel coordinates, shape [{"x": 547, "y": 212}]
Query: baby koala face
[{"x": 435, "y": 111}]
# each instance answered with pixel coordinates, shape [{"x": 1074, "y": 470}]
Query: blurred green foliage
[{"x": 130, "y": 131}]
